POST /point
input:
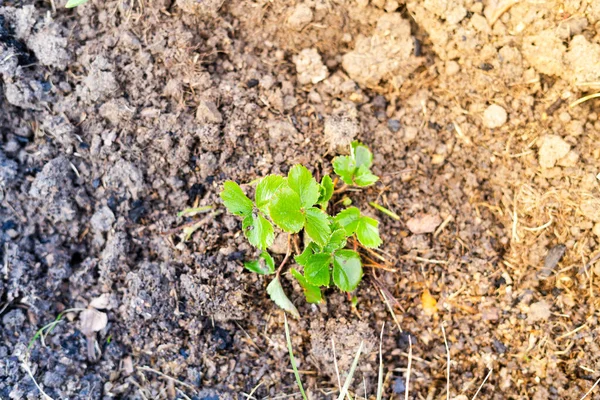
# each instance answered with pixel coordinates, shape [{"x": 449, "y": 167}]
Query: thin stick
[
  {"x": 384, "y": 210},
  {"x": 584, "y": 99},
  {"x": 380, "y": 377},
  {"x": 28, "y": 370},
  {"x": 287, "y": 255},
  {"x": 335, "y": 364},
  {"x": 148, "y": 369},
  {"x": 590, "y": 391},
  {"x": 482, "y": 383},
  {"x": 408, "y": 367},
  {"x": 447, "y": 363},
  {"x": 351, "y": 373},
  {"x": 292, "y": 358}
]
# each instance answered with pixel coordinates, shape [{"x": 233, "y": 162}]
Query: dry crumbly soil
[{"x": 117, "y": 115}]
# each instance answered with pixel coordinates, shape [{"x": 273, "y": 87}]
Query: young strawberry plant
[{"x": 298, "y": 202}]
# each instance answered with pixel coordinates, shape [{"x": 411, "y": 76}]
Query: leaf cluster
[{"x": 298, "y": 202}]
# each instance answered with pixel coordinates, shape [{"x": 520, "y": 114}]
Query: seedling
[
  {"x": 355, "y": 169},
  {"x": 298, "y": 202}
]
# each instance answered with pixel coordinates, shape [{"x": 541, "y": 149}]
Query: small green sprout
[
  {"x": 298, "y": 202},
  {"x": 75, "y": 3},
  {"x": 355, "y": 169}
]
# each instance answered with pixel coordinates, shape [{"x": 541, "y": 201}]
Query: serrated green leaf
[
  {"x": 317, "y": 226},
  {"x": 367, "y": 232},
  {"x": 348, "y": 219},
  {"x": 316, "y": 270},
  {"x": 364, "y": 177},
  {"x": 309, "y": 250},
  {"x": 75, "y": 3},
  {"x": 311, "y": 292},
  {"x": 301, "y": 181},
  {"x": 265, "y": 190},
  {"x": 344, "y": 166},
  {"x": 235, "y": 200},
  {"x": 258, "y": 230},
  {"x": 326, "y": 191},
  {"x": 362, "y": 155},
  {"x": 285, "y": 210},
  {"x": 347, "y": 270},
  {"x": 266, "y": 267},
  {"x": 337, "y": 240},
  {"x": 275, "y": 291}
]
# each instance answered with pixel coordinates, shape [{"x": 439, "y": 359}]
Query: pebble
[
  {"x": 552, "y": 259},
  {"x": 207, "y": 113},
  {"x": 393, "y": 125},
  {"x": 452, "y": 68},
  {"x": 596, "y": 229},
  {"x": 539, "y": 311},
  {"x": 494, "y": 116},
  {"x": 424, "y": 224},
  {"x": 553, "y": 148}
]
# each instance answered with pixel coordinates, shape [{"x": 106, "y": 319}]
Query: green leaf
[
  {"x": 344, "y": 166},
  {"x": 277, "y": 294},
  {"x": 364, "y": 177},
  {"x": 347, "y": 270},
  {"x": 311, "y": 292},
  {"x": 368, "y": 233},
  {"x": 337, "y": 240},
  {"x": 348, "y": 219},
  {"x": 235, "y": 200},
  {"x": 309, "y": 250},
  {"x": 258, "y": 230},
  {"x": 267, "y": 267},
  {"x": 285, "y": 210},
  {"x": 316, "y": 269},
  {"x": 317, "y": 226},
  {"x": 302, "y": 182},
  {"x": 265, "y": 190},
  {"x": 326, "y": 191},
  {"x": 362, "y": 155},
  {"x": 75, "y": 3}
]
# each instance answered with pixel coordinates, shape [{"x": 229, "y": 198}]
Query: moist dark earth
[{"x": 117, "y": 115}]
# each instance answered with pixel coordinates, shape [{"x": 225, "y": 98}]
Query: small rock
[
  {"x": 207, "y": 113},
  {"x": 393, "y": 125},
  {"x": 279, "y": 245},
  {"x": 499, "y": 346},
  {"x": 591, "y": 209},
  {"x": 494, "y": 116},
  {"x": 539, "y": 311},
  {"x": 310, "y": 67},
  {"x": 570, "y": 160},
  {"x": 552, "y": 259},
  {"x": 423, "y": 224},
  {"x": 102, "y": 219},
  {"x": 596, "y": 229},
  {"x": 452, "y": 68},
  {"x": 553, "y": 148},
  {"x": 300, "y": 17},
  {"x": 399, "y": 386}
]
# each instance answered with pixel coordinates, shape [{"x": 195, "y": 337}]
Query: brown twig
[{"x": 287, "y": 255}]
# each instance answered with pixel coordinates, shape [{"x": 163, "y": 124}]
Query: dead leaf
[
  {"x": 101, "y": 302},
  {"x": 429, "y": 303},
  {"x": 92, "y": 320}
]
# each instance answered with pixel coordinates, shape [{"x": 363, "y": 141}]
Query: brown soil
[{"x": 117, "y": 115}]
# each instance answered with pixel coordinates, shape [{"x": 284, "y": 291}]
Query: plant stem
[
  {"x": 287, "y": 255},
  {"x": 343, "y": 188}
]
